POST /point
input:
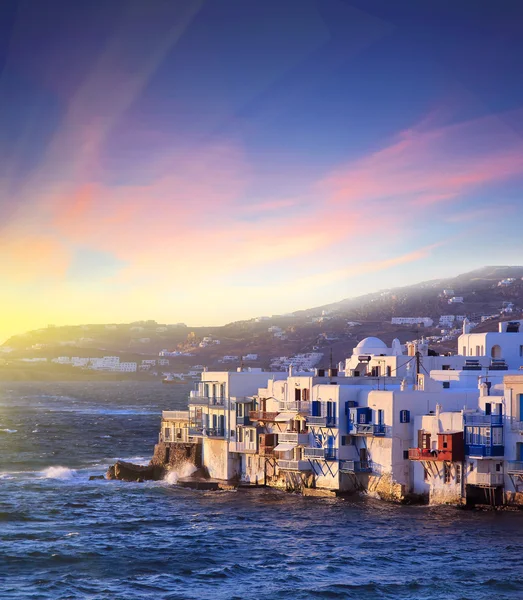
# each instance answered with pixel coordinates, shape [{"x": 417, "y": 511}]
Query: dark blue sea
[{"x": 63, "y": 536}]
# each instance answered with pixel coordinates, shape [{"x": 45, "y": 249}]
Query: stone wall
[
  {"x": 385, "y": 488},
  {"x": 172, "y": 455},
  {"x": 514, "y": 498}
]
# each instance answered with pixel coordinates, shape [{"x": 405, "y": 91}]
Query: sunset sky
[{"x": 217, "y": 160}]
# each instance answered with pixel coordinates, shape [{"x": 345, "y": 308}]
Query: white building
[
  {"x": 425, "y": 321},
  {"x": 128, "y": 367},
  {"x": 447, "y": 320},
  {"x": 451, "y": 434}
]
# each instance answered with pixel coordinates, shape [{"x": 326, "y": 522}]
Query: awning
[
  {"x": 285, "y": 416},
  {"x": 285, "y": 447}
]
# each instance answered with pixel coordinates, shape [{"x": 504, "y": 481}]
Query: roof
[
  {"x": 370, "y": 345},
  {"x": 285, "y": 447},
  {"x": 285, "y": 416}
]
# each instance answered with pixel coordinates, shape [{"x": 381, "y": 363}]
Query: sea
[{"x": 63, "y": 536}]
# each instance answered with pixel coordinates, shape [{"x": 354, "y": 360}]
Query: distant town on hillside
[{"x": 434, "y": 310}]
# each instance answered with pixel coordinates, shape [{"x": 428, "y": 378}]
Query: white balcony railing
[
  {"x": 207, "y": 400},
  {"x": 301, "y": 407},
  {"x": 488, "y": 479},
  {"x": 175, "y": 415},
  {"x": 242, "y": 447},
  {"x": 294, "y": 465},
  {"x": 293, "y": 438}
]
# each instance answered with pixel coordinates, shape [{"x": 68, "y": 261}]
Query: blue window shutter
[{"x": 404, "y": 416}]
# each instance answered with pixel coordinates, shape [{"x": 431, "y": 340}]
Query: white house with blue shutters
[{"x": 342, "y": 431}]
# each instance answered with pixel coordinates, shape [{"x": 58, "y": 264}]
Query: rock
[
  {"x": 93, "y": 477},
  {"x": 125, "y": 471}
]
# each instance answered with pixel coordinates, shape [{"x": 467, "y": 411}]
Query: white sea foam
[
  {"x": 72, "y": 534},
  {"x": 185, "y": 470},
  {"x": 8, "y": 430},
  {"x": 58, "y": 473}
]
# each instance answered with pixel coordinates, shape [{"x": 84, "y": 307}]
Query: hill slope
[{"x": 320, "y": 328}]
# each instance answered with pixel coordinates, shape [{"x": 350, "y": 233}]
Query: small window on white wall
[{"x": 404, "y": 416}]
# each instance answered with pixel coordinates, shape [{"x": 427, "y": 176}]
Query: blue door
[
  {"x": 520, "y": 407},
  {"x": 519, "y": 451},
  {"x": 381, "y": 416}
]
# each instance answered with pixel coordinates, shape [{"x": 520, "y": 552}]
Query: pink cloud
[{"x": 423, "y": 167}]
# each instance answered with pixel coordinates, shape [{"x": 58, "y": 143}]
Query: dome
[{"x": 371, "y": 345}]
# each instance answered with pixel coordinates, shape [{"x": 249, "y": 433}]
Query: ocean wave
[
  {"x": 58, "y": 473},
  {"x": 8, "y": 430},
  {"x": 185, "y": 470}
]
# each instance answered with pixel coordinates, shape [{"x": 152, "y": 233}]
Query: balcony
[
  {"x": 301, "y": 407},
  {"x": 262, "y": 415},
  {"x": 485, "y": 479},
  {"x": 367, "y": 429},
  {"x": 483, "y": 451},
  {"x": 198, "y": 400},
  {"x": 355, "y": 466},
  {"x": 294, "y": 465},
  {"x": 436, "y": 455},
  {"x": 266, "y": 451},
  {"x": 321, "y": 453},
  {"x": 485, "y": 420},
  {"x": 217, "y": 401},
  {"x": 207, "y": 400},
  {"x": 245, "y": 420},
  {"x": 198, "y": 431},
  {"x": 322, "y": 421},
  {"x": 249, "y": 447},
  {"x": 175, "y": 415},
  {"x": 515, "y": 467},
  {"x": 293, "y": 438}
]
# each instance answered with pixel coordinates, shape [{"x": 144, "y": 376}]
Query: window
[
  {"x": 405, "y": 455},
  {"x": 521, "y": 350},
  {"x": 404, "y": 416},
  {"x": 446, "y": 473},
  {"x": 458, "y": 473},
  {"x": 498, "y": 467},
  {"x": 471, "y": 467},
  {"x": 167, "y": 433},
  {"x": 497, "y": 436},
  {"x": 445, "y": 441},
  {"x": 363, "y": 418}
]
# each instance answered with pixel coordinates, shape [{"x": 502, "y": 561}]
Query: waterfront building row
[{"x": 393, "y": 425}]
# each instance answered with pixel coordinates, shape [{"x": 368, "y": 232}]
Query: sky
[{"x": 210, "y": 161}]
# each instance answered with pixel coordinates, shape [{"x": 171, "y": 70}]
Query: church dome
[{"x": 371, "y": 345}]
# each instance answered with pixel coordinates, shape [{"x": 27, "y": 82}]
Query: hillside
[{"x": 316, "y": 329}]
